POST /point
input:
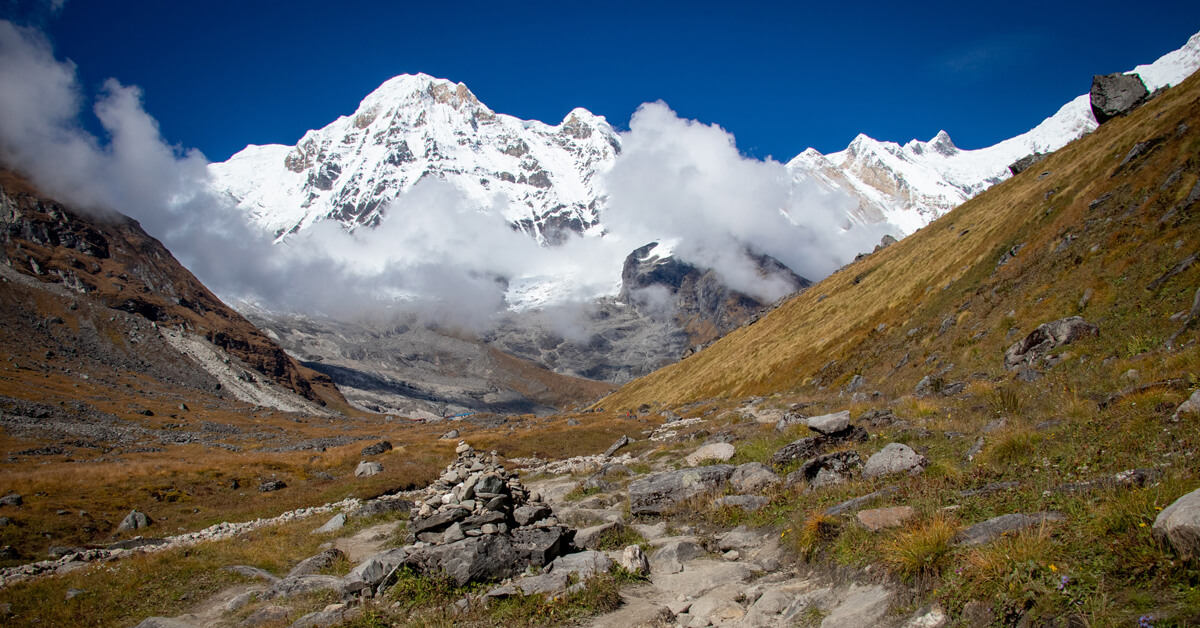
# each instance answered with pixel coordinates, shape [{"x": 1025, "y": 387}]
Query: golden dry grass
[{"x": 946, "y": 271}]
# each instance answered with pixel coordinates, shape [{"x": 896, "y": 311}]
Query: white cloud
[{"x": 682, "y": 179}]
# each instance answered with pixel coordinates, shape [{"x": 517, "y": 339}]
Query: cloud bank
[{"x": 434, "y": 252}]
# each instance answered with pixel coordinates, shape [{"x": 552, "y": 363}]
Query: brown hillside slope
[
  {"x": 113, "y": 262},
  {"x": 1097, "y": 217}
]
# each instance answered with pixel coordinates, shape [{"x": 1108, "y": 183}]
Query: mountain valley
[{"x": 990, "y": 421}]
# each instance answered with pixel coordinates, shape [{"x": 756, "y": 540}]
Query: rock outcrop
[
  {"x": 658, "y": 493},
  {"x": 1115, "y": 95},
  {"x": 1047, "y": 336}
]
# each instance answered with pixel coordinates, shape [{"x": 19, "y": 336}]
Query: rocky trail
[{"x": 616, "y": 513}]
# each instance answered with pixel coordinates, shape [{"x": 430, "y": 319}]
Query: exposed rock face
[
  {"x": 1115, "y": 95},
  {"x": 1179, "y": 525},
  {"x": 1045, "y": 337},
  {"x": 830, "y": 423},
  {"x": 699, "y": 301},
  {"x": 110, "y": 261},
  {"x": 656, "y": 494}
]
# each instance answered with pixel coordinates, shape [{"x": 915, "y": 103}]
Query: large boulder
[
  {"x": 1115, "y": 95},
  {"x": 376, "y": 449},
  {"x": 895, "y": 458},
  {"x": 657, "y": 493},
  {"x": 1179, "y": 525},
  {"x": 1047, "y": 336}
]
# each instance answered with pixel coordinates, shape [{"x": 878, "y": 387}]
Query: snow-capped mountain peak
[{"x": 541, "y": 178}]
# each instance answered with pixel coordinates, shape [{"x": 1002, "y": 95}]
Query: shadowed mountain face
[{"x": 122, "y": 301}]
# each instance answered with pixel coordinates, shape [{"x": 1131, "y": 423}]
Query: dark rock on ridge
[{"x": 1115, "y": 95}]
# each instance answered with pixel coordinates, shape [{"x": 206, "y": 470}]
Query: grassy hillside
[{"x": 939, "y": 292}]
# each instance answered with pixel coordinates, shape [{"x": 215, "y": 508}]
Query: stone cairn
[{"x": 478, "y": 520}]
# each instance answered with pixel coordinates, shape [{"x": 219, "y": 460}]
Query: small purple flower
[
  {"x": 1144, "y": 621},
  {"x": 1062, "y": 584}
]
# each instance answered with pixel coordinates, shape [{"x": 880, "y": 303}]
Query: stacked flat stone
[{"x": 476, "y": 496}]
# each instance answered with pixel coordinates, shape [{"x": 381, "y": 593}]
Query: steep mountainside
[
  {"x": 159, "y": 312},
  {"x": 1105, "y": 227}
]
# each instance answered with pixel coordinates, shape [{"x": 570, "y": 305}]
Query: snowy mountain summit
[
  {"x": 547, "y": 181},
  {"x": 911, "y": 185},
  {"x": 541, "y": 178}
]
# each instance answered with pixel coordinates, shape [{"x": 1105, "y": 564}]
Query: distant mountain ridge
[{"x": 414, "y": 126}]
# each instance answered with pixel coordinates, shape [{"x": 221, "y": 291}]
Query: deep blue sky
[{"x": 781, "y": 76}]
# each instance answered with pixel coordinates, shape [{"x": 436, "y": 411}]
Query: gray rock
[
  {"x": 335, "y": 523},
  {"x": 269, "y": 614},
  {"x": 377, "y": 448},
  {"x": 1179, "y": 525},
  {"x": 634, "y": 560},
  {"x": 749, "y": 503},
  {"x": 545, "y": 584},
  {"x": 830, "y": 423},
  {"x": 1189, "y": 407},
  {"x": 135, "y": 520},
  {"x": 252, "y": 572},
  {"x": 1045, "y": 337},
  {"x": 852, "y": 505},
  {"x": 272, "y": 485},
  {"x": 491, "y": 483},
  {"x": 455, "y": 533},
  {"x": 802, "y": 449},
  {"x": 670, "y": 556},
  {"x": 12, "y": 499},
  {"x": 590, "y": 537},
  {"x": 313, "y": 564},
  {"x": 1115, "y": 95},
  {"x": 584, "y": 564},
  {"x": 366, "y": 469},
  {"x": 621, "y": 442},
  {"x": 303, "y": 585},
  {"x": 655, "y": 494},
  {"x": 975, "y": 449},
  {"x": 863, "y": 607},
  {"x": 439, "y": 521},
  {"x": 530, "y": 513},
  {"x": 335, "y": 616},
  {"x": 491, "y": 556},
  {"x": 992, "y": 529},
  {"x": 894, "y": 458},
  {"x": 718, "y": 452},
  {"x": 856, "y": 383},
  {"x": 753, "y": 477},
  {"x": 449, "y": 435},
  {"x": 1023, "y": 164},
  {"x": 827, "y": 470}
]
